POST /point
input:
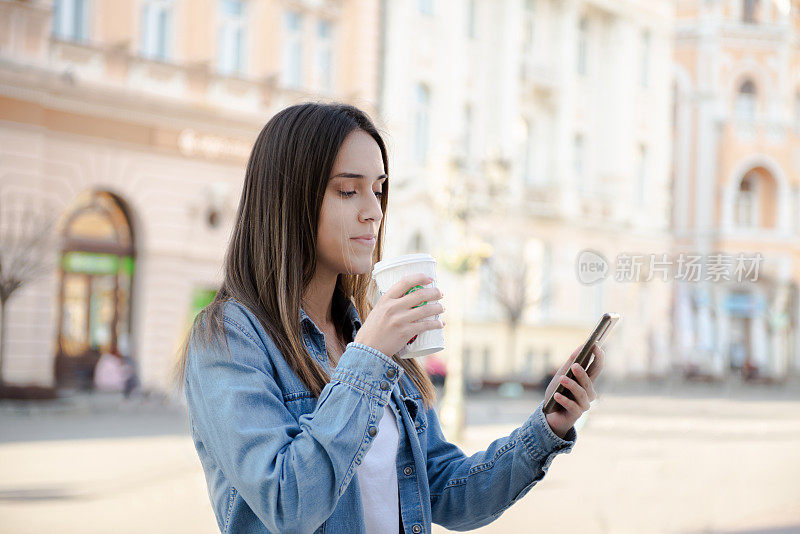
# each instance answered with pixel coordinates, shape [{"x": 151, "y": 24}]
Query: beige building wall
[{"x": 169, "y": 136}]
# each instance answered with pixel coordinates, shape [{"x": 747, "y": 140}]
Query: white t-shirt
[{"x": 377, "y": 478}]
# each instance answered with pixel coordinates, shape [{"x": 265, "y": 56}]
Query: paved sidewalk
[{"x": 691, "y": 462}]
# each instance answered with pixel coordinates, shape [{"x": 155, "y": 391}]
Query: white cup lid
[{"x": 401, "y": 260}]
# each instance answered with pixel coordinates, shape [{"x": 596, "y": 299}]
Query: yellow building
[
  {"x": 132, "y": 121},
  {"x": 737, "y": 183}
]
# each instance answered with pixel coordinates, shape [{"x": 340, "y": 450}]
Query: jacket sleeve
[
  {"x": 291, "y": 473},
  {"x": 468, "y": 492}
]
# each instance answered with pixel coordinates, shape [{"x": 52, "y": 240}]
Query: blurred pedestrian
[{"x": 111, "y": 372}]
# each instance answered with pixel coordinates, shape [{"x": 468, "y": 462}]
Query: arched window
[
  {"x": 746, "y": 102},
  {"x": 747, "y": 201},
  {"x": 97, "y": 265},
  {"x": 422, "y": 99}
]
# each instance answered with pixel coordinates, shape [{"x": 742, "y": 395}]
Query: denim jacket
[{"x": 278, "y": 460}]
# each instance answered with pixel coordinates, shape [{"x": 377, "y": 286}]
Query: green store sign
[{"x": 95, "y": 263}]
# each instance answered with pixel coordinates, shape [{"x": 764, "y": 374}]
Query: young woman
[{"x": 304, "y": 418}]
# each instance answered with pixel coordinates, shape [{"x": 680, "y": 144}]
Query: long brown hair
[{"x": 271, "y": 255}]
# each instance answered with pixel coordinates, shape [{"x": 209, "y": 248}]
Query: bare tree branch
[{"x": 26, "y": 250}]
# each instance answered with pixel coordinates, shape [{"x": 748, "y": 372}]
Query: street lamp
[{"x": 460, "y": 260}]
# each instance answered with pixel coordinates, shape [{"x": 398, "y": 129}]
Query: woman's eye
[{"x": 348, "y": 194}]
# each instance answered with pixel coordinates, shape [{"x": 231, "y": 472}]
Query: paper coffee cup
[{"x": 387, "y": 273}]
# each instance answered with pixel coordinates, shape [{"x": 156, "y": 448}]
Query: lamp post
[{"x": 459, "y": 260}]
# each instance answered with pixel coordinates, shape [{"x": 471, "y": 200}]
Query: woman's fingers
[
  {"x": 583, "y": 379},
  {"x": 570, "y": 405},
  {"x": 578, "y": 392},
  {"x": 597, "y": 363}
]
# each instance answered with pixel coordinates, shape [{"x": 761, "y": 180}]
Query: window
[
  {"x": 157, "y": 29},
  {"x": 71, "y": 20},
  {"x": 417, "y": 242},
  {"x": 797, "y": 111},
  {"x": 546, "y": 302},
  {"x": 527, "y": 369},
  {"x": 529, "y": 21},
  {"x": 421, "y": 122},
  {"x": 231, "y": 37},
  {"x": 425, "y": 7},
  {"x": 641, "y": 175},
  {"x": 579, "y": 163},
  {"x": 325, "y": 55},
  {"x": 750, "y": 11},
  {"x": 645, "y": 66},
  {"x": 467, "y": 134},
  {"x": 471, "y": 19},
  {"x": 746, "y": 201},
  {"x": 526, "y": 151},
  {"x": 746, "y": 101},
  {"x": 293, "y": 50},
  {"x": 486, "y": 287},
  {"x": 583, "y": 43}
]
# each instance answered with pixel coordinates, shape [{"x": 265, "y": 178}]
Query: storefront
[{"x": 96, "y": 278}]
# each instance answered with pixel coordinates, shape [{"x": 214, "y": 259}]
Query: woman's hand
[
  {"x": 398, "y": 315},
  {"x": 582, "y": 390}
]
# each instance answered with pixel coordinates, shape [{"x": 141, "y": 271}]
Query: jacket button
[
  {"x": 416, "y": 424},
  {"x": 417, "y": 529},
  {"x": 408, "y": 471},
  {"x": 391, "y": 372},
  {"x": 384, "y": 385},
  {"x": 372, "y": 431}
]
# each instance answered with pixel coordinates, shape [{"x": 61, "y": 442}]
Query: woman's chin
[{"x": 360, "y": 267}]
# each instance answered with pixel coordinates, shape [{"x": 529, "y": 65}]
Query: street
[{"x": 645, "y": 462}]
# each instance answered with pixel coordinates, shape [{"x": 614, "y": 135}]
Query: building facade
[
  {"x": 135, "y": 130},
  {"x": 543, "y": 128},
  {"x": 737, "y": 182}
]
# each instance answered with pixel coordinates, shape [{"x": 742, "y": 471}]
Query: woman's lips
[{"x": 368, "y": 242}]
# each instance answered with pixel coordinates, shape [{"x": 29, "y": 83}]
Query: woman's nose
[{"x": 374, "y": 210}]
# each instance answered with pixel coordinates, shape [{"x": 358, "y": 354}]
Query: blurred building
[
  {"x": 523, "y": 134},
  {"x": 737, "y": 182},
  {"x": 543, "y": 126},
  {"x": 132, "y": 120}
]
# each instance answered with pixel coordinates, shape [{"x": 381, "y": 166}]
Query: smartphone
[{"x": 597, "y": 337}]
